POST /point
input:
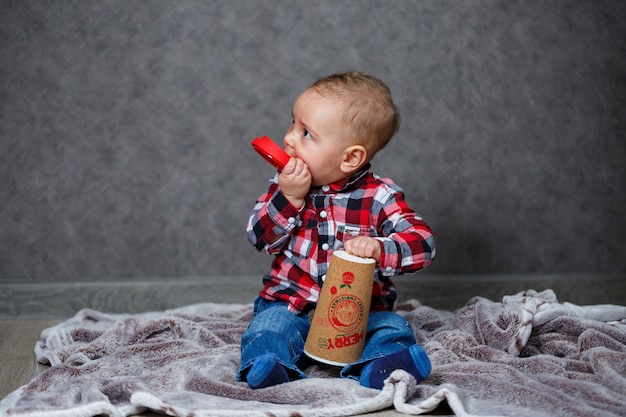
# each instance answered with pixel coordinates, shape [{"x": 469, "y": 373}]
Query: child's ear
[{"x": 353, "y": 158}]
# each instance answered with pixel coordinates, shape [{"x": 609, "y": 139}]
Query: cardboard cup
[{"x": 339, "y": 324}]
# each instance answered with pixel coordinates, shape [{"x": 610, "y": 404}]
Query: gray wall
[{"x": 125, "y": 128}]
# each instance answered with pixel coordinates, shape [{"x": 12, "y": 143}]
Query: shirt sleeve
[
  {"x": 272, "y": 220},
  {"x": 407, "y": 242}
]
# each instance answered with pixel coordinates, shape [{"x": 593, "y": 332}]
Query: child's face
[{"x": 316, "y": 136}]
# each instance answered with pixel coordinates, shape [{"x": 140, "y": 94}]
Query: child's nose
[{"x": 289, "y": 139}]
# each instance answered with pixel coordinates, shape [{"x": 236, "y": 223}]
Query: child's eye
[{"x": 307, "y": 134}]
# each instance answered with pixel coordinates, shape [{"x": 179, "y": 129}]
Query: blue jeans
[{"x": 274, "y": 329}]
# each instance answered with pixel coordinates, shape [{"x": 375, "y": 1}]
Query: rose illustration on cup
[{"x": 347, "y": 278}]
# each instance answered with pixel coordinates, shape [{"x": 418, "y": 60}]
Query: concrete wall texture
[{"x": 125, "y": 128}]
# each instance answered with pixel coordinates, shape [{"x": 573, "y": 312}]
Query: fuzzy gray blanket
[{"x": 528, "y": 355}]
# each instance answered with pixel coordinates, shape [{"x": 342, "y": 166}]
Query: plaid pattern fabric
[{"x": 304, "y": 239}]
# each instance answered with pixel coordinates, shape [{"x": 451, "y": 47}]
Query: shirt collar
[{"x": 350, "y": 182}]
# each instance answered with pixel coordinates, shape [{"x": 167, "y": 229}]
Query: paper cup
[{"x": 338, "y": 327}]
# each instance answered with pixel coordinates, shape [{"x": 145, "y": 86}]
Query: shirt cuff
[
  {"x": 389, "y": 262},
  {"x": 285, "y": 214}
]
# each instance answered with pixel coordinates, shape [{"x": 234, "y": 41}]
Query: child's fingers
[
  {"x": 362, "y": 246},
  {"x": 290, "y": 167}
]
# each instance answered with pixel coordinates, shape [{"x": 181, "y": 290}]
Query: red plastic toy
[{"x": 271, "y": 152}]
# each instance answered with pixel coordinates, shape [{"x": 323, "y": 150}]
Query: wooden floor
[
  {"x": 28, "y": 308},
  {"x": 17, "y": 360}
]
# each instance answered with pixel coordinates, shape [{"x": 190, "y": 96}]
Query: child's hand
[
  {"x": 294, "y": 181},
  {"x": 363, "y": 246}
]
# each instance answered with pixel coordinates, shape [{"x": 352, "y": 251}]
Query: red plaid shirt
[{"x": 304, "y": 239}]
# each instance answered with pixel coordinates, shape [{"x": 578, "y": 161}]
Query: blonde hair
[{"x": 371, "y": 118}]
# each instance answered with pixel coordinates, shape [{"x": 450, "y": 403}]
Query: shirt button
[
  {"x": 291, "y": 220},
  {"x": 389, "y": 269},
  {"x": 325, "y": 246},
  {"x": 323, "y": 277},
  {"x": 323, "y": 214},
  {"x": 325, "y": 188}
]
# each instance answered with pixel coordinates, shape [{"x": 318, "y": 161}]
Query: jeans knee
[{"x": 390, "y": 327}]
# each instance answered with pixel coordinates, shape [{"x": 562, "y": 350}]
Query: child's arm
[
  {"x": 409, "y": 244},
  {"x": 277, "y": 212},
  {"x": 271, "y": 220},
  {"x": 405, "y": 243}
]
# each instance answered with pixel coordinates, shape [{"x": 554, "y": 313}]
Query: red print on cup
[{"x": 347, "y": 278}]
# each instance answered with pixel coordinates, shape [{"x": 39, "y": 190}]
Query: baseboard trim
[{"x": 26, "y": 300}]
